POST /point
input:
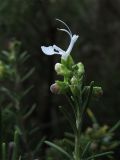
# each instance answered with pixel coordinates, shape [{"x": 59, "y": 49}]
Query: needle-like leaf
[{"x": 59, "y": 149}]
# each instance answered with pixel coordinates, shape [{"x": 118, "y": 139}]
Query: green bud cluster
[
  {"x": 72, "y": 74},
  {"x": 73, "y": 77}
]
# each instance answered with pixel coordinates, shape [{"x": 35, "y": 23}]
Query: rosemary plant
[
  {"x": 78, "y": 94},
  {"x": 16, "y": 114}
]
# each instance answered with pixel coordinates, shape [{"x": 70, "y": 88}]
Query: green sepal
[
  {"x": 96, "y": 93},
  {"x": 74, "y": 89},
  {"x": 78, "y": 70},
  {"x": 68, "y": 62},
  {"x": 63, "y": 86}
]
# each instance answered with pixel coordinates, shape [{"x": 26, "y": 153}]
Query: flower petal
[
  {"x": 48, "y": 50},
  {"x": 58, "y": 50},
  {"x": 72, "y": 42},
  {"x": 74, "y": 38}
]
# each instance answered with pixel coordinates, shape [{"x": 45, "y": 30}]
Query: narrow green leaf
[
  {"x": 28, "y": 74},
  {"x": 68, "y": 117},
  {"x": 86, "y": 149},
  {"x": 27, "y": 91},
  {"x": 30, "y": 111},
  {"x": 15, "y": 151},
  {"x": 85, "y": 105},
  {"x": 34, "y": 130},
  {"x": 39, "y": 146},
  {"x": 59, "y": 149},
  {"x": 71, "y": 103},
  {"x": 71, "y": 143},
  {"x": 70, "y": 135},
  {"x": 8, "y": 93},
  {"x": 92, "y": 116},
  {"x": 5, "y": 53},
  {"x": 115, "y": 127},
  {"x": 99, "y": 155},
  {"x": 23, "y": 55},
  {"x": 3, "y": 151}
]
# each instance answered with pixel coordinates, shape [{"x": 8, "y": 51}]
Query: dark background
[{"x": 98, "y": 24}]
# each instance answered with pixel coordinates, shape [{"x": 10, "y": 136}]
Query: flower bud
[
  {"x": 103, "y": 129},
  {"x": 95, "y": 126},
  {"x": 97, "y": 91},
  {"x": 74, "y": 80},
  {"x": 54, "y": 88},
  {"x": 61, "y": 69},
  {"x": 93, "y": 146},
  {"x": 89, "y": 130},
  {"x": 81, "y": 69},
  {"x": 58, "y": 67}
]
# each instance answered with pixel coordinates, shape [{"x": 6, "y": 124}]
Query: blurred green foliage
[
  {"x": 99, "y": 138},
  {"x": 13, "y": 149},
  {"x": 15, "y": 114}
]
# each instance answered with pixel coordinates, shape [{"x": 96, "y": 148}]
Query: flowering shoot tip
[{"x": 51, "y": 50}]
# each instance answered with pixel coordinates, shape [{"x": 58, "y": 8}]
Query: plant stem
[{"x": 77, "y": 147}]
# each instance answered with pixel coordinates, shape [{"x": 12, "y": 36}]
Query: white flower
[{"x": 51, "y": 50}]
